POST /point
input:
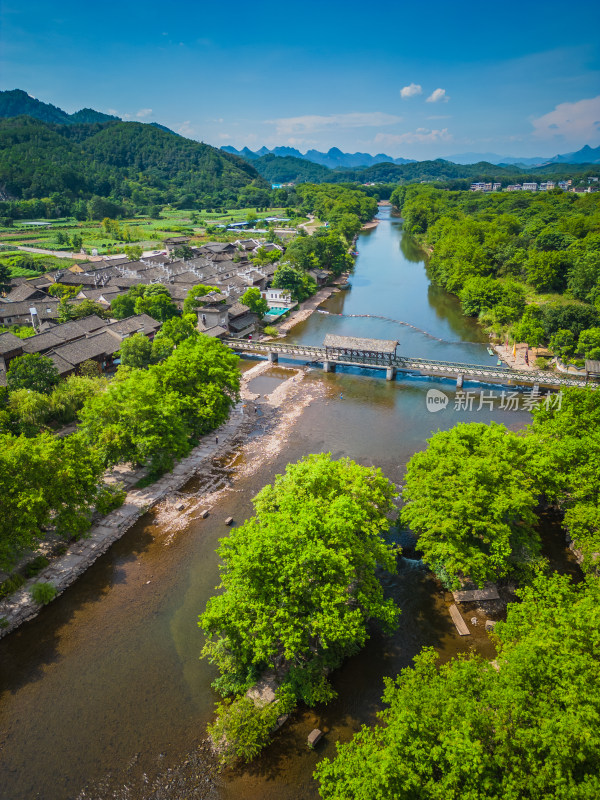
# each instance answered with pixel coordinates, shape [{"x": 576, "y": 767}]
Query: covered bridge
[{"x": 338, "y": 348}]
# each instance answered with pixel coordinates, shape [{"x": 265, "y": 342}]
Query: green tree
[
  {"x": 32, "y": 371},
  {"x": 255, "y": 301},
  {"x": 562, "y": 343},
  {"x": 190, "y": 304},
  {"x": 133, "y": 252},
  {"x": 4, "y": 278},
  {"x": 299, "y": 578},
  {"x": 589, "y": 341},
  {"x": 124, "y": 305},
  {"x": 162, "y": 348},
  {"x": 523, "y": 731},
  {"x": 46, "y": 484},
  {"x": 480, "y": 293},
  {"x": 470, "y": 498},
  {"x": 136, "y": 351},
  {"x": 295, "y": 281},
  {"x": 153, "y": 416},
  {"x": 184, "y": 252},
  {"x": 156, "y": 302},
  {"x": 178, "y": 329}
]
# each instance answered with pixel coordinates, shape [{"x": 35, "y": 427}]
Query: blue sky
[{"x": 418, "y": 80}]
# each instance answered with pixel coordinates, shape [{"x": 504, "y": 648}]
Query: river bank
[
  {"x": 103, "y": 695},
  {"x": 64, "y": 569}
]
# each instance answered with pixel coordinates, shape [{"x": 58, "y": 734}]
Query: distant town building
[
  {"x": 546, "y": 186},
  {"x": 530, "y": 186},
  {"x": 514, "y": 187}
]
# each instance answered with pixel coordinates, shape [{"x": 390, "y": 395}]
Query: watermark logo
[
  {"x": 436, "y": 400},
  {"x": 490, "y": 401}
]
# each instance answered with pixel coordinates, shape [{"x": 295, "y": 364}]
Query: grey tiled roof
[
  {"x": 99, "y": 344},
  {"x": 9, "y": 342}
]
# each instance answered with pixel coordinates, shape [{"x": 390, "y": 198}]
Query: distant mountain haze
[
  {"x": 332, "y": 158},
  {"x": 335, "y": 158},
  {"x": 16, "y": 103}
]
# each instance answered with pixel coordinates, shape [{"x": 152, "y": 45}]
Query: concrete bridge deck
[{"x": 455, "y": 370}]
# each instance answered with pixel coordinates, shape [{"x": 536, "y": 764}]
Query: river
[{"x": 103, "y": 694}]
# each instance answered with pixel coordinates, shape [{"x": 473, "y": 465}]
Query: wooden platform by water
[
  {"x": 461, "y": 625},
  {"x": 489, "y": 592}
]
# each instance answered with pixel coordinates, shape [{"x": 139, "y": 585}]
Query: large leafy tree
[
  {"x": 255, "y": 301},
  {"x": 298, "y": 283},
  {"x": 567, "y": 459},
  {"x": 32, "y": 371},
  {"x": 524, "y": 730},
  {"x": 156, "y": 302},
  {"x": 299, "y": 578},
  {"x": 46, "y": 483},
  {"x": 470, "y": 498},
  {"x": 153, "y": 416}
]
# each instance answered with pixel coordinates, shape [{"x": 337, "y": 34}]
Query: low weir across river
[{"x": 330, "y": 357}]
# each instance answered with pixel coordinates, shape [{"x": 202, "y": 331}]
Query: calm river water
[{"x": 103, "y": 694}]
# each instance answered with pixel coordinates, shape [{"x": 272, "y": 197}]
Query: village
[{"x": 226, "y": 267}]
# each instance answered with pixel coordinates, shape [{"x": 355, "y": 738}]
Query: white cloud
[
  {"x": 314, "y": 122},
  {"x": 186, "y": 128},
  {"x": 143, "y": 112},
  {"x": 223, "y": 137},
  {"x": 580, "y": 120},
  {"x": 419, "y": 136},
  {"x": 411, "y": 90},
  {"x": 438, "y": 96}
]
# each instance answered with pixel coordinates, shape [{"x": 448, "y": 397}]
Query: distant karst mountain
[
  {"x": 17, "y": 103},
  {"x": 336, "y": 159},
  {"x": 587, "y": 155},
  {"x": 332, "y": 159}
]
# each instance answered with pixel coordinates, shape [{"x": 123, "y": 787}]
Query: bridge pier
[
  {"x": 459, "y": 381},
  {"x": 273, "y": 357},
  {"x": 328, "y": 366},
  {"x": 390, "y": 373}
]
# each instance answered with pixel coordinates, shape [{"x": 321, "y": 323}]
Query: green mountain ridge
[
  {"x": 16, "y": 103},
  {"x": 132, "y": 163}
]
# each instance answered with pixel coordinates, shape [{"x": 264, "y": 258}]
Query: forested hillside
[
  {"x": 278, "y": 169},
  {"x": 527, "y": 264},
  {"x": 131, "y": 163}
]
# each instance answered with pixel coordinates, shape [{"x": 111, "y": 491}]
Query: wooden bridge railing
[{"x": 408, "y": 364}]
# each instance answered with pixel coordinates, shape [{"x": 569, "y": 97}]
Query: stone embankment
[
  {"x": 65, "y": 569},
  {"x": 278, "y": 413}
]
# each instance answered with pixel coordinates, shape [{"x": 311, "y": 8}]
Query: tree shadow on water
[{"x": 26, "y": 652}]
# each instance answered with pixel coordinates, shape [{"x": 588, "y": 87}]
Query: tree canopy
[
  {"x": 298, "y": 578},
  {"x": 471, "y": 498},
  {"x": 525, "y": 730}
]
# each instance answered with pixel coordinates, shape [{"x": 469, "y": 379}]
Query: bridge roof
[{"x": 353, "y": 343}]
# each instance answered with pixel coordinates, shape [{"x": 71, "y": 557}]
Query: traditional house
[
  {"x": 10, "y": 347},
  {"x": 29, "y": 312},
  {"x": 241, "y": 321},
  {"x": 175, "y": 241}
]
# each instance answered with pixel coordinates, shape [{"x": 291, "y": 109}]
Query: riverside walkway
[{"x": 377, "y": 354}]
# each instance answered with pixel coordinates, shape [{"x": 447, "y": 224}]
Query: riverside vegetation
[
  {"x": 523, "y": 726},
  {"x": 527, "y": 264},
  {"x": 149, "y": 414}
]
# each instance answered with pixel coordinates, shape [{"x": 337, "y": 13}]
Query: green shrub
[
  {"x": 109, "y": 498},
  {"x": 243, "y": 729},
  {"x": 3, "y": 622},
  {"x": 541, "y": 363},
  {"x": 270, "y": 330},
  {"x": 11, "y": 584},
  {"x": 43, "y": 592},
  {"x": 35, "y": 566}
]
